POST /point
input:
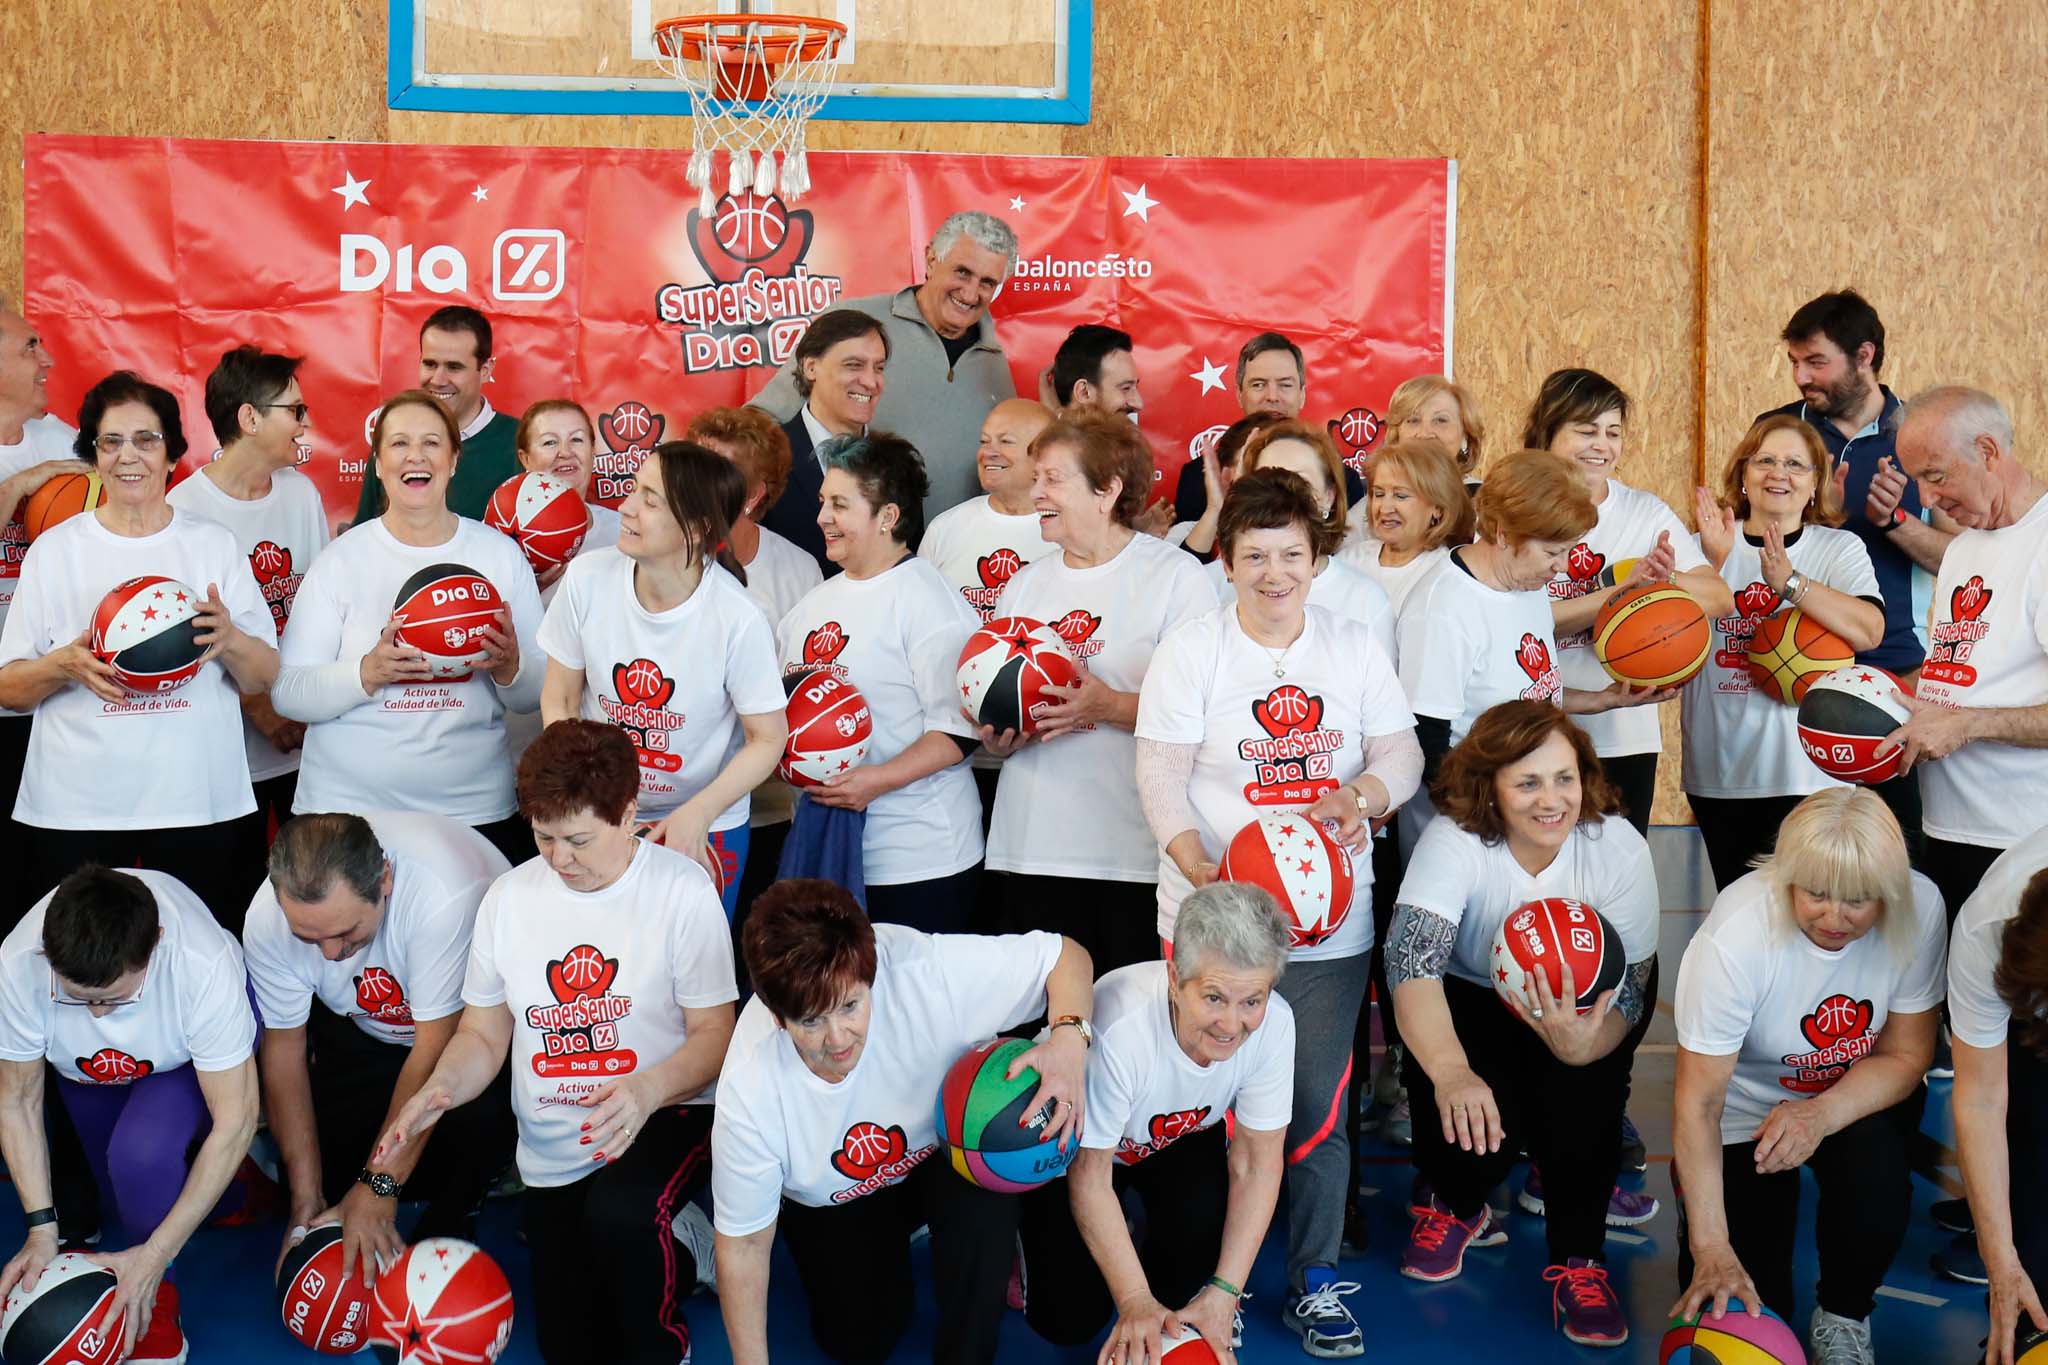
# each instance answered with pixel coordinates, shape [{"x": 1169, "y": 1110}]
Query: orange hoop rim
[{"x": 804, "y": 39}]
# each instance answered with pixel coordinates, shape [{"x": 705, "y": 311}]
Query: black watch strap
[
  {"x": 40, "y": 1217},
  {"x": 382, "y": 1185}
]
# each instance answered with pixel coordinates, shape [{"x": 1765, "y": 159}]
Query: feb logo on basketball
[{"x": 443, "y": 611}]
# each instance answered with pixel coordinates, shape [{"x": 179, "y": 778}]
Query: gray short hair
[
  {"x": 985, "y": 229},
  {"x": 1233, "y": 925},
  {"x": 1962, "y": 414},
  {"x": 313, "y": 852}
]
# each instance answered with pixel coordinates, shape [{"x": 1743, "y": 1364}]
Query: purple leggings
[{"x": 138, "y": 1139}]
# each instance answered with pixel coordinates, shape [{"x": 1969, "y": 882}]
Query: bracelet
[
  {"x": 40, "y": 1217},
  {"x": 1218, "y": 1282}
]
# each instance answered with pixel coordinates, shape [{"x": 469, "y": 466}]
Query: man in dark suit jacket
[{"x": 795, "y": 514}]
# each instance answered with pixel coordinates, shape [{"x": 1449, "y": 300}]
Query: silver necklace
[{"x": 1279, "y": 659}]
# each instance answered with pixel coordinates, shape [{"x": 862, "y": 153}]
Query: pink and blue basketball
[
  {"x": 978, "y": 1119},
  {"x": 1735, "y": 1338}
]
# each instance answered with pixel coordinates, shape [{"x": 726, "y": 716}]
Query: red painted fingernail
[
  {"x": 598, "y": 1157},
  {"x": 586, "y": 1127},
  {"x": 583, "y": 1142}
]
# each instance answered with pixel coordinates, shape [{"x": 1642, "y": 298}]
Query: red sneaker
[
  {"x": 1584, "y": 1305},
  {"x": 164, "y": 1342}
]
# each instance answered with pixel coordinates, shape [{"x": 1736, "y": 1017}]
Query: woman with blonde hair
[
  {"x": 1431, "y": 405},
  {"x": 1416, "y": 511},
  {"x": 1807, "y": 1006}
]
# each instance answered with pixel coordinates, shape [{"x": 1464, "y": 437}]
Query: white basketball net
[{"x": 751, "y": 132}]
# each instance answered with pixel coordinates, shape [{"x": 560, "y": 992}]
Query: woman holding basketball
[
  {"x": 891, "y": 624},
  {"x": 601, "y": 973},
  {"x": 1807, "y": 1006},
  {"x": 1772, "y": 537},
  {"x": 383, "y": 731},
  {"x": 1178, "y": 1045},
  {"x": 1635, "y": 538},
  {"x": 1526, "y": 815},
  {"x": 1068, "y": 829},
  {"x": 1274, "y": 704},
  {"x": 112, "y": 776},
  {"x": 658, "y": 637}
]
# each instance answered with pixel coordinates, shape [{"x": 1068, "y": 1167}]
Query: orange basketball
[
  {"x": 1652, "y": 635},
  {"x": 1790, "y": 650},
  {"x": 64, "y": 496}
]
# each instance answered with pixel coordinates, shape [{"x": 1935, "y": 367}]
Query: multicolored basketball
[
  {"x": 1187, "y": 1349},
  {"x": 145, "y": 630},
  {"x": 64, "y": 496},
  {"x": 442, "y": 1300},
  {"x": 544, "y": 514},
  {"x": 2031, "y": 1346},
  {"x": 1542, "y": 936},
  {"x": 1295, "y": 859},
  {"x": 979, "y": 1115},
  {"x": 1652, "y": 635},
  {"x": 1735, "y": 1338},
  {"x": 1791, "y": 651},
  {"x": 58, "y": 1317},
  {"x": 829, "y": 726},
  {"x": 1005, "y": 669},
  {"x": 1844, "y": 718},
  {"x": 442, "y": 612},
  {"x": 321, "y": 1309}
]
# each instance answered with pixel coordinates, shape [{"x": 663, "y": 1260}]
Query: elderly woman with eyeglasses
[{"x": 113, "y": 776}]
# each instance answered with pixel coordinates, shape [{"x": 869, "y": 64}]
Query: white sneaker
[
  {"x": 1840, "y": 1341},
  {"x": 693, "y": 1230}
]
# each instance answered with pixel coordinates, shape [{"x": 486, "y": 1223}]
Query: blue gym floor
[{"x": 1498, "y": 1310}]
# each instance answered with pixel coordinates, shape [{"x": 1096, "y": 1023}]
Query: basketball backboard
[{"x": 1021, "y": 61}]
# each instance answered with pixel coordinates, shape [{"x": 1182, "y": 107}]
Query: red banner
[{"x": 603, "y": 284}]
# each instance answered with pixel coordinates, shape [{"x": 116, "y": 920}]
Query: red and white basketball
[
  {"x": 1187, "y": 1349},
  {"x": 144, "y": 631},
  {"x": 1542, "y": 935},
  {"x": 1306, "y": 870},
  {"x": 320, "y": 1309},
  {"x": 1844, "y": 718},
  {"x": 442, "y": 612},
  {"x": 443, "y": 1301},
  {"x": 58, "y": 1317},
  {"x": 1005, "y": 669},
  {"x": 544, "y": 513},
  {"x": 829, "y": 727}
]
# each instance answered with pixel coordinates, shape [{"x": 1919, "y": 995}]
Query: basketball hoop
[{"x": 754, "y": 81}]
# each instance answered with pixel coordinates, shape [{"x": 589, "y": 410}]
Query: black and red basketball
[
  {"x": 544, "y": 513},
  {"x": 1844, "y": 718},
  {"x": 146, "y": 632},
  {"x": 443, "y": 611},
  {"x": 1543, "y": 935},
  {"x": 829, "y": 727},
  {"x": 1005, "y": 669},
  {"x": 58, "y": 1317},
  {"x": 442, "y": 1300},
  {"x": 320, "y": 1309}
]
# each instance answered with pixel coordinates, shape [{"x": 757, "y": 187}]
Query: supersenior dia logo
[
  {"x": 630, "y": 432},
  {"x": 760, "y": 296},
  {"x": 1063, "y": 274}
]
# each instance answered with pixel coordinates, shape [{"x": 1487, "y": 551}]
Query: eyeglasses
[
  {"x": 60, "y": 996},
  {"x": 145, "y": 442},
  {"x": 1771, "y": 464},
  {"x": 297, "y": 410}
]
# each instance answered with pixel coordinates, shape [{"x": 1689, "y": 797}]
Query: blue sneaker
[{"x": 1327, "y": 1329}]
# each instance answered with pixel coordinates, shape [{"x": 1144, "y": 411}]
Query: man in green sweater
[{"x": 455, "y": 361}]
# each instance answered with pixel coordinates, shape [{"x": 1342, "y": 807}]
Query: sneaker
[
  {"x": 693, "y": 1230},
  {"x": 1625, "y": 1208},
  {"x": 1237, "y": 1322},
  {"x": 1497, "y": 1201},
  {"x": 1386, "y": 1082},
  {"x": 1397, "y": 1126},
  {"x": 1944, "y": 1068},
  {"x": 1953, "y": 1215},
  {"x": 1634, "y": 1155},
  {"x": 164, "y": 1342},
  {"x": 1584, "y": 1305},
  {"x": 1438, "y": 1241},
  {"x": 1013, "y": 1292},
  {"x": 1959, "y": 1260},
  {"x": 1840, "y": 1341},
  {"x": 1327, "y": 1328}
]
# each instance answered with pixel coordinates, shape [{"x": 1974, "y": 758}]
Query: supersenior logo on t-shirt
[
  {"x": 1956, "y": 638},
  {"x": 1839, "y": 1029},
  {"x": 580, "y": 1029},
  {"x": 1292, "y": 763},
  {"x": 874, "y": 1157}
]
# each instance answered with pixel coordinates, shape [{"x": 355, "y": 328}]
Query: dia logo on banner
[{"x": 527, "y": 265}]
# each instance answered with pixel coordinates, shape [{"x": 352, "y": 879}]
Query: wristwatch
[
  {"x": 382, "y": 1185},
  {"x": 1795, "y": 587},
  {"x": 1087, "y": 1033}
]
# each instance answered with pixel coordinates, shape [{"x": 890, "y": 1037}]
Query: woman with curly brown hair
[{"x": 1526, "y": 814}]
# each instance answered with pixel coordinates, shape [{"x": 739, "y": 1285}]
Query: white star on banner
[
  {"x": 1016, "y": 203},
  {"x": 1210, "y": 376},
  {"x": 351, "y": 192},
  {"x": 479, "y": 194},
  {"x": 1139, "y": 203}
]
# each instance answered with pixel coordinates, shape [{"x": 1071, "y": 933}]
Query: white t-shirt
[
  {"x": 1475, "y": 885},
  {"x": 780, "y": 575},
  {"x": 898, "y": 637},
  {"x": 1398, "y": 581},
  {"x": 522, "y": 728},
  {"x": 597, "y": 982},
  {"x": 1795, "y": 1015},
  {"x": 281, "y": 533},
  {"x": 1068, "y": 807},
  {"x": 1989, "y": 647},
  {"x": 978, "y": 549},
  {"x": 43, "y": 439},
  {"x": 1144, "y": 1091},
  {"x": 411, "y": 970},
  {"x": 192, "y": 1006},
  {"x": 676, "y": 681},
  {"x": 1465, "y": 647},
  {"x": 1267, "y": 743},
  {"x": 782, "y": 1131},
  {"x": 1629, "y": 521},
  {"x": 1340, "y": 588},
  {"x": 1978, "y": 1015},
  {"x": 157, "y": 762},
  {"x": 435, "y": 746},
  {"x": 1738, "y": 741}
]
